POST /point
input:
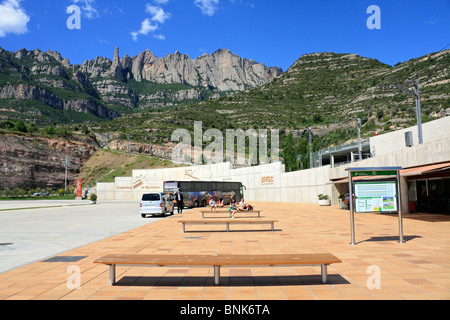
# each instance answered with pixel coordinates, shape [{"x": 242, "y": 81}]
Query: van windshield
[{"x": 151, "y": 197}]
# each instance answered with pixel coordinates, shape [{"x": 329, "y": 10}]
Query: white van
[{"x": 156, "y": 204}]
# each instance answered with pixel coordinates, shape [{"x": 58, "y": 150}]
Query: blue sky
[{"x": 274, "y": 32}]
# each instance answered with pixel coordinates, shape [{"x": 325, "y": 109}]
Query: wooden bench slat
[
  {"x": 227, "y": 222},
  {"x": 219, "y": 260},
  {"x": 227, "y": 211},
  {"x": 239, "y": 213}
]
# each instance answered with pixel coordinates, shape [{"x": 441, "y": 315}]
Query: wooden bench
[
  {"x": 217, "y": 261},
  {"x": 227, "y": 222},
  {"x": 229, "y": 212}
]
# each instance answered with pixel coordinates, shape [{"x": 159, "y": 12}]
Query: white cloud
[
  {"x": 208, "y": 7},
  {"x": 158, "y": 16},
  {"x": 146, "y": 28},
  {"x": 13, "y": 18},
  {"x": 88, "y": 9},
  {"x": 157, "y": 13},
  {"x": 159, "y": 36}
]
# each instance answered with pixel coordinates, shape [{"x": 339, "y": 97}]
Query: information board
[{"x": 380, "y": 196}]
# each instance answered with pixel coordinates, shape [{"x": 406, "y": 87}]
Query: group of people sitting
[
  {"x": 242, "y": 206},
  {"x": 216, "y": 204}
]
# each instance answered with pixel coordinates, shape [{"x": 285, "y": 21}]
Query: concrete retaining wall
[{"x": 271, "y": 182}]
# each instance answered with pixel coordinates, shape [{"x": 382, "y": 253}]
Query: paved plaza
[
  {"x": 34, "y": 230},
  {"x": 376, "y": 268}
]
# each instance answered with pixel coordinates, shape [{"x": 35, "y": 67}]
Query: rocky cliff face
[
  {"x": 30, "y": 162},
  {"x": 222, "y": 70},
  {"x": 206, "y": 76},
  {"x": 108, "y": 88}
]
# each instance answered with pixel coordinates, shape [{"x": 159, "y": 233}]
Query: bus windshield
[{"x": 170, "y": 186}]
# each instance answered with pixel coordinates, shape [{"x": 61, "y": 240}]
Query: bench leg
[
  {"x": 216, "y": 275},
  {"x": 183, "y": 228},
  {"x": 112, "y": 274},
  {"x": 273, "y": 226},
  {"x": 228, "y": 227},
  {"x": 324, "y": 273}
]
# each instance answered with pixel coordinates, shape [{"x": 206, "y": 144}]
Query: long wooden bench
[
  {"x": 229, "y": 212},
  {"x": 227, "y": 222},
  {"x": 217, "y": 261}
]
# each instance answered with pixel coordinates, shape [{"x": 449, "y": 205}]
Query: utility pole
[
  {"x": 66, "y": 166},
  {"x": 416, "y": 93},
  {"x": 359, "y": 139},
  {"x": 151, "y": 147},
  {"x": 418, "y": 111}
]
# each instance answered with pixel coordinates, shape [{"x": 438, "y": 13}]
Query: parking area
[
  {"x": 35, "y": 230},
  {"x": 376, "y": 268}
]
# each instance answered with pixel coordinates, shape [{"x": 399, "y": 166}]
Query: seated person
[
  {"x": 232, "y": 209},
  {"x": 241, "y": 205},
  {"x": 220, "y": 203},
  {"x": 212, "y": 204}
]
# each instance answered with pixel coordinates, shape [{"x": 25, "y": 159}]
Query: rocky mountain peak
[
  {"x": 222, "y": 70},
  {"x": 101, "y": 86}
]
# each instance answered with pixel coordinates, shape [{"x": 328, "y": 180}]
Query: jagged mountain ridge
[
  {"x": 32, "y": 81},
  {"x": 222, "y": 70}
]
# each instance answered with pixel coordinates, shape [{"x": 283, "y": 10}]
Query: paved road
[
  {"x": 8, "y": 205},
  {"x": 29, "y": 235}
]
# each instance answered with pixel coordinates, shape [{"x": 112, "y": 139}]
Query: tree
[
  {"x": 32, "y": 127},
  {"x": 50, "y": 130},
  {"x": 20, "y": 126},
  {"x": 289, "y": 155},
  {"x": 85, "y": 129}
]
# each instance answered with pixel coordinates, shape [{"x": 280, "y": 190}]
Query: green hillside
[{"x": 324, "y": 91}]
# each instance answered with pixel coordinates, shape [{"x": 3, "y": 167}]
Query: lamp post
[
  {"x": 359, "y": 139},
  {"x": 418, "y": 111},
  {"x": 66, "y": 166},
  {"x": 416, "y": 93}
]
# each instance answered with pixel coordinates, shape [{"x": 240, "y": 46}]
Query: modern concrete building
[{"x": 425, "y": 180}]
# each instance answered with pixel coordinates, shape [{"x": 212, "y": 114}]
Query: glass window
[
  {"x": 151, "y": 197},
  {"x": 206, "y": 186},
  {"x": 412, "y": 191},
  {"x": 185, "y": 187},
  {"x": 170, "y": 186}
]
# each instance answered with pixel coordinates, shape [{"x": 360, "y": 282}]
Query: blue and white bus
[{"x": 198, "y": 193}]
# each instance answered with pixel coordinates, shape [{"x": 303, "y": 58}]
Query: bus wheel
[
  {"x": 203, "y": 203},
  {"x": 196, "y": 204}
]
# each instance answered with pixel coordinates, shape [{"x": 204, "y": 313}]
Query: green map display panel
[{"x": 376, "y": 196}]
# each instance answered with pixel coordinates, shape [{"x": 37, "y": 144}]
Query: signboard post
[
  {"x": 375, "y": 195},
  {"x": 79, "y": 189}
]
